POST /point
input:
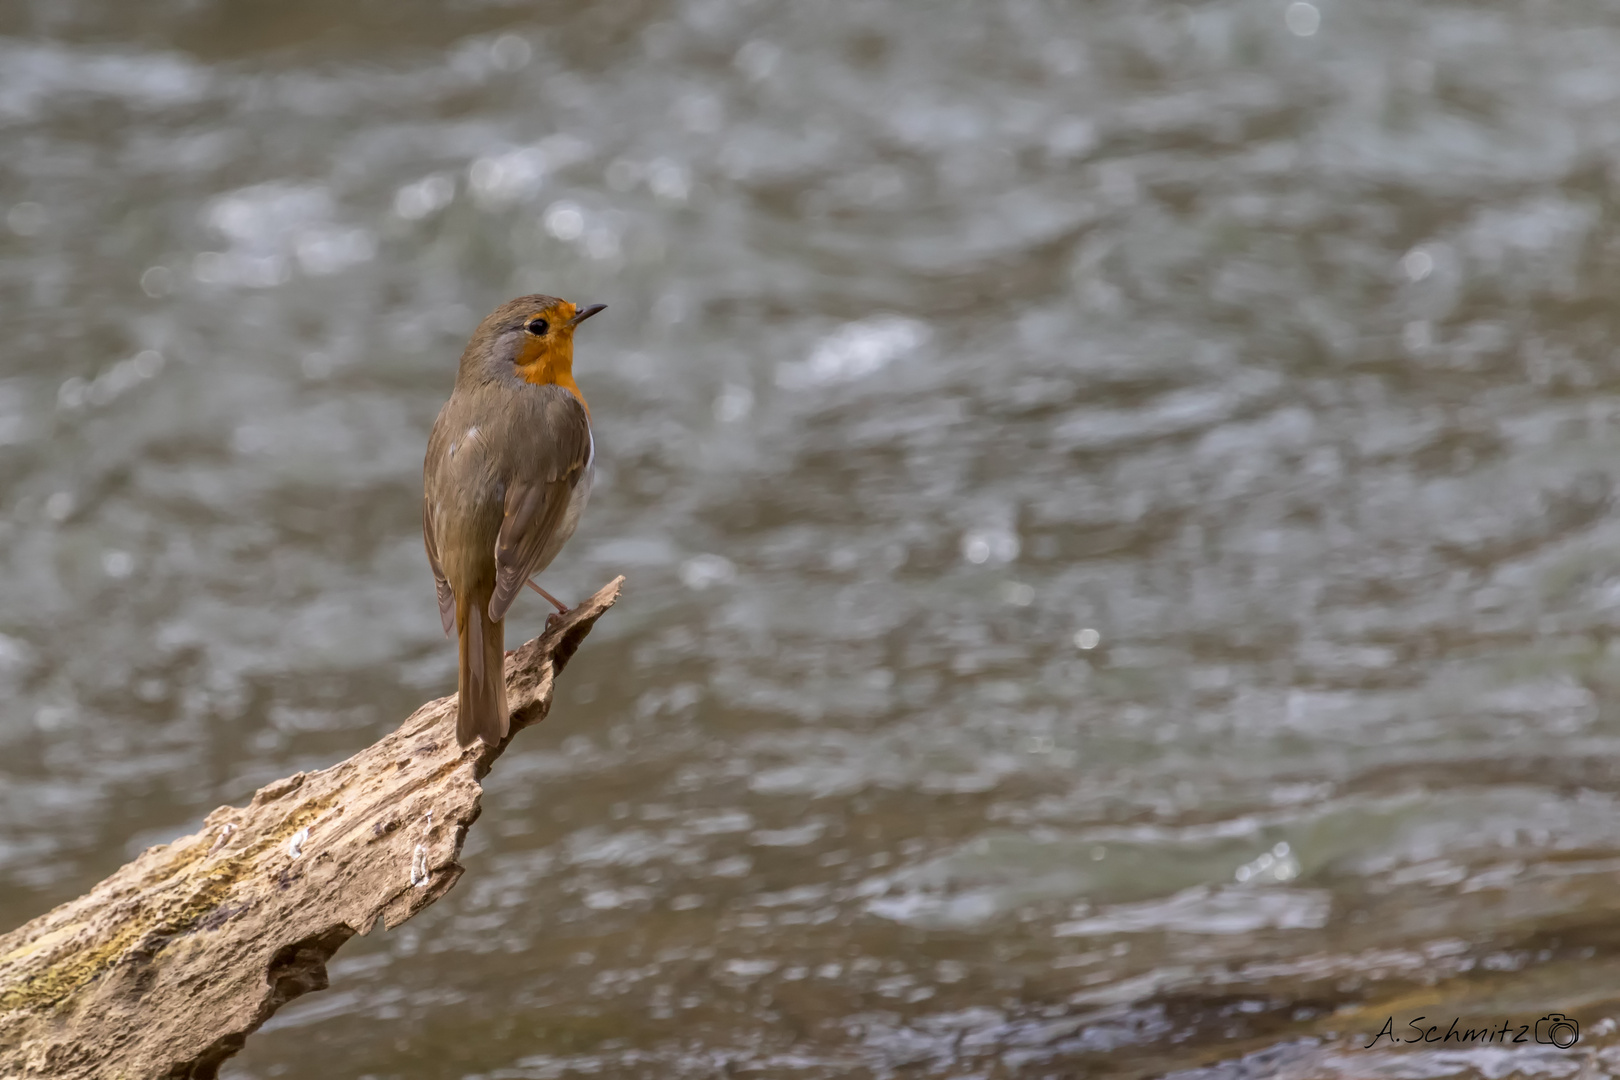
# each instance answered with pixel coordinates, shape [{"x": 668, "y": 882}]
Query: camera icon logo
[{"x": 1558, "y": 1029}]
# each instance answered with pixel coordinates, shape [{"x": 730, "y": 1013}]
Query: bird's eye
[{"x": 537, "y": 327}]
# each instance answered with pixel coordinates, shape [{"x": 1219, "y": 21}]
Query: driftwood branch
[{"x": 166, "y": 967}]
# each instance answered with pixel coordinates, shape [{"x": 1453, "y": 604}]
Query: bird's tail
[{"x": 481, "y": 686}]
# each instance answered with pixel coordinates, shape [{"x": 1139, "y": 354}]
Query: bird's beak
[{"x": 584, "y": 313}]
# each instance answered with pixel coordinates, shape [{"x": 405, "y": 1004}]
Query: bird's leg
[{"x": 562, "y": 609}]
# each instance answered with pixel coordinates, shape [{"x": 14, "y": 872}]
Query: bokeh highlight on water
[{"x": 1116, "y": 498}]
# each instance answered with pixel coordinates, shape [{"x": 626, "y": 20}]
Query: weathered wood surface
[{"x": 166, "y": 967}]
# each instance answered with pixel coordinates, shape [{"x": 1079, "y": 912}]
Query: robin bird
[{"x": 507, "y": 474}]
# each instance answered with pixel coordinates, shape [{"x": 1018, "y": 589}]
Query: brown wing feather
[
  {"x": 447, "y": 598},
  {"x": 559, "y": 448}
]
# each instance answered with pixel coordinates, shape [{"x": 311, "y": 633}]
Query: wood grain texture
[{"x": 166, "y": 967}]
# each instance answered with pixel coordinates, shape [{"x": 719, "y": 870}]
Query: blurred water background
[{"x": 1117, "y": 500}]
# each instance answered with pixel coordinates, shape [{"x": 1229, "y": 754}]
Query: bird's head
[{"x": 531, "y": 337}]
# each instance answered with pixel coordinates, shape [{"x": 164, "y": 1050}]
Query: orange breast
[{"x": 548, "y": 369}]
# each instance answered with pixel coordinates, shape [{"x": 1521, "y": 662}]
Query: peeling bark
[{"x": 166, "y": 967}]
